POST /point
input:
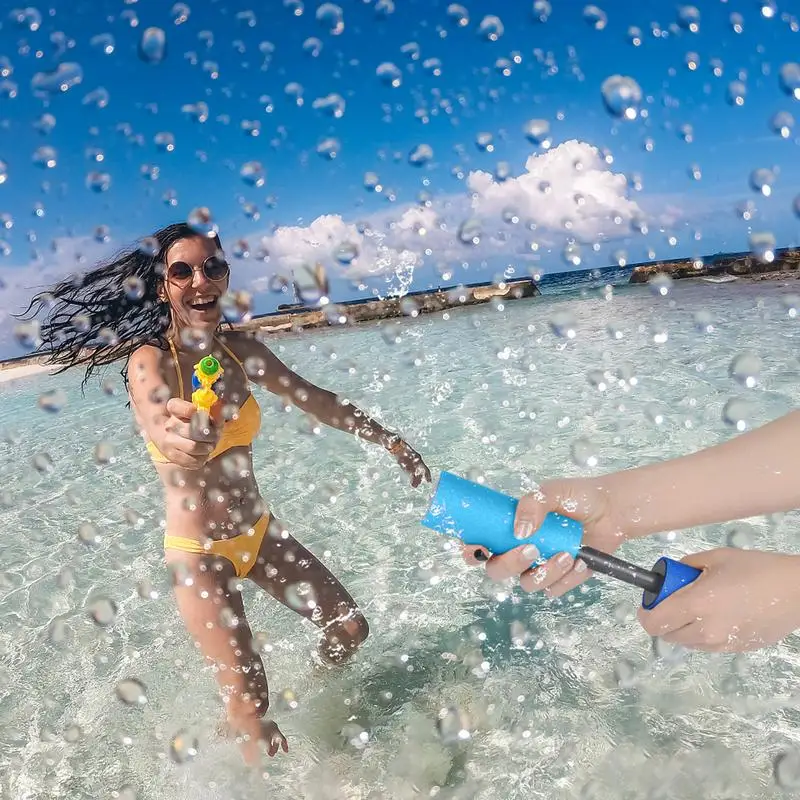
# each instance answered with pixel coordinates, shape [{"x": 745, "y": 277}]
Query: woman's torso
[{"x": 221, "y": 500}]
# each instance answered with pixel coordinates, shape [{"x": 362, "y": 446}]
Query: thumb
[
  {"x": 552, "y": 496},
  {"x": 180, "y": 408}
]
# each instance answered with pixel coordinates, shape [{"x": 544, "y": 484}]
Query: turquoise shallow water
[{"x": 488, "y": 391}]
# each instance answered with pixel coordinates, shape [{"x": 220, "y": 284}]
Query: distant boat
[{"x": 719, "y": 278}]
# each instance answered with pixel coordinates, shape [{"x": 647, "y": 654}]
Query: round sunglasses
[{"x": 214, "y": 268}]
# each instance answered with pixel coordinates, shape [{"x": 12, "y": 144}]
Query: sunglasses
[{"x": 214, "y": 268}]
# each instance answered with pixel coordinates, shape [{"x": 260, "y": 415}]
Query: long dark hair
[{"x": 102, "y": 316}]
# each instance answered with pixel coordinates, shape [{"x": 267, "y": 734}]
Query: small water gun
[
  {"x": 479, "y": 515},
  {"x": 207, "y": 372}
]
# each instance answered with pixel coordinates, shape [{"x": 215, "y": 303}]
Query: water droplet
[
  {"x": 786, "y": 769},
  {"x": 458, "y": 15},
  {"x": 660, "y": 284},
  {"x": 655, "y": 413},
  {"x": 571, "y": 253},
  {"x": 45, "y": 157},
  {"x": 769, "y": 8},
  {"x": 183, "y": 747},
  {"x": 180, "y": 13},
  {"x": 61, "y": 79},
  {"x": 389, "y": 74},
  {"x": 288, "y": 700},
  {"x": 625, "y": 674},
  {"x": 689, "y": 18},
  {"x": 42, "y": 463},
  {"x": 153, "y": 45},
  {"x": 73, "y": 733},
  {"x": 98, "y": 182},
  {"x": 737, "y": 22},
  {"x": 58, "y": 632},
  {"x": 146, "y": 591},
  {"x": 329, "y": 148},
  {"x": 746, "y": 369},
  {"x": 104, "y": 42},
  {"x": 420, "y": 155},
  {"x": 789, "y": 77},
  {"x": 53, "y": 401},
  {"x": 103, "y": 610},
  {"x": 761, "y": 180},
  {"x": 782, "y": 123},
  {"x": 88, "y": 534},
  {"x": 624, "y": 612},
  {"x": 453, "y": 725},
  {"x": 133, "y": 287},
  {"x": 595, "y": 17},
  {"x": 104, "y": 453},
  {"x": 738, "y": 412},
  {"x": 201, "y": 220},
  {"x": 491, "y": 28},
  {"x": 132, "y": 692},
  {"x": 737, "y": 92},
  {"x": 762, "y": 246},
  {"x": 562, "y": 323},
  {"x": 542, "y": 10},
  {"x": 301, "y": 597},
  {"x": 537, "y": 131},
  {"x": 584, "y": 453},
  {"x": 671, "y": 653},
  {"x": 470, "y": 230},
  {"x": 346, "y": 252},
  {"x": 331, "y": 18},
  {"x": 741, "y": 535},
  {"x": 621, "y": 96}
]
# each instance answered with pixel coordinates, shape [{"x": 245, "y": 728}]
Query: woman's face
[{"x": 196, "y": 276}]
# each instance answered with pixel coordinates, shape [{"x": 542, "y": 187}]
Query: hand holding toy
[
  {"x": 207, "y": 372},
  {"x": 481, "y": 516}
]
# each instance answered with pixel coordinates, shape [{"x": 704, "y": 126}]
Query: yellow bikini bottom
[{"x": 241, "y": 550}]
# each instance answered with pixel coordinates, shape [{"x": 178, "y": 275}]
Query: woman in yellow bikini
[{"x": 161, "y": 314}]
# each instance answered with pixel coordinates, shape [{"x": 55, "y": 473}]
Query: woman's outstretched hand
[
  {"x": 579, "y": 499},
  {"x": 256, "y": 733},
  {"x": 411, "y": 462},
  {"x": 744, "y": 600}
]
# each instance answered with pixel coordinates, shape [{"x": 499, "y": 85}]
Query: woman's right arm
[{"x": 169, "y": 422}]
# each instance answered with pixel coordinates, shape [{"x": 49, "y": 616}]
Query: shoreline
[{"x": 724, "y": 269}]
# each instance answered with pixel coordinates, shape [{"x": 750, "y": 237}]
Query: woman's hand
[
  {"x": 255, "y": 733},
  {"x": 580, "y": 499},
  {"x": 191, "y": 436},
  {"x": 744, "y": 600},
  {"x": 411, "y": 461}
]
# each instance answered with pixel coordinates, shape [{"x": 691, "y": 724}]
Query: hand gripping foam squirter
[
  {"x": 481, "y": 516},
  {"x": 207, "y": 372}
]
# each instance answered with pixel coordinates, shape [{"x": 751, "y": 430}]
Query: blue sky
[{"x": 728, "y": 142}]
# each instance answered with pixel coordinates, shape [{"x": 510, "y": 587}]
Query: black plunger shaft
[{"x": 598, "y": 561}]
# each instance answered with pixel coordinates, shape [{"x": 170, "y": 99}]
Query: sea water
[{"x": 465, "y": 689}]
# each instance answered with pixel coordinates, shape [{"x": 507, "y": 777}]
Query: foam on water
[{"x": 532, "y": 681}]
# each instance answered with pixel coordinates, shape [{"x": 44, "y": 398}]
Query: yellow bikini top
[{"x": 237, "y": 432}]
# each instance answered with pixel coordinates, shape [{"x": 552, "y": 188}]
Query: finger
[
  {"x": 512, "y": 563},
  {"x": 670, "y": 615},
  {"x": 554, "y": 569},
  {"x": 574, "y": 578},
  {"x": 475, "y": 555},
  {"x": 285, "y": 746},
  {"x": 178, "y": 407}
]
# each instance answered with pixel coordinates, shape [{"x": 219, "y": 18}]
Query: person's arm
[
  {"x": 751, "y": 474},
  {"x": 322, "y": 404}
]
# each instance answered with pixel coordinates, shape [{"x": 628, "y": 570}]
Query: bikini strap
[
  {"x": 233, "y": 356},
  {"x": 177, "y": 367}
]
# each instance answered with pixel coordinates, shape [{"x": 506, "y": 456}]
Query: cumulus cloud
[{"x": 566, "y": 192}]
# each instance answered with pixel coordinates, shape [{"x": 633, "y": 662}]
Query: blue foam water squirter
[{"x": 481, "y": 516}]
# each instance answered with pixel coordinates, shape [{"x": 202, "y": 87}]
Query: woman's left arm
[{"x": 328, "y": 408}]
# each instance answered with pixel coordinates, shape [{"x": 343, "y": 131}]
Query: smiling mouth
[{"x": 203, "y": 304}]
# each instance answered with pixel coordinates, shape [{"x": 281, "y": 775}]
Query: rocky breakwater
[
  {"x": 737, "y": 264},
  {"x": 300, "y": 318}
]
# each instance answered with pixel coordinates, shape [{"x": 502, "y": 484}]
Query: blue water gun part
[{"x": 481, "y": 516}]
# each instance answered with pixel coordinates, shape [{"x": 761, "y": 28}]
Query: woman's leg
[
  {"x": 297, "y": 578},
  {"x": 214, "y": 617}
]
